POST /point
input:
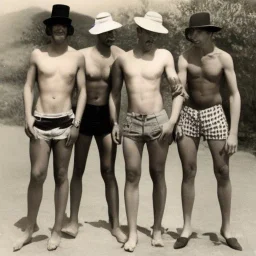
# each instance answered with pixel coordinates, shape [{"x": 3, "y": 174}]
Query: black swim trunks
[{"x": 96, "y": 121}]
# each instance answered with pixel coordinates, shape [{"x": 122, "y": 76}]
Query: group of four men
[{"x": 98, "y": 74}]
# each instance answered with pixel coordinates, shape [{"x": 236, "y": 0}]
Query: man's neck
[
  {"x": 103, "y": 49},
  {"x": 59, "y": 48},
  {"x": 140, "y": 51},
  {"x": 207, "y": 48}
]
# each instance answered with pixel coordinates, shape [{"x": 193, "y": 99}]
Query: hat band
[{"x": 157, "y": 19}]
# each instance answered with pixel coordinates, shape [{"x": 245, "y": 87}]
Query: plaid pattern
[{"x": 211, "y": 123}]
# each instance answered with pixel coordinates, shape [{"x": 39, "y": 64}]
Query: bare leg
[
  {"x": 132, "y": 156},
  {"x": 61, "y": 157},
  {"x": 81, "y": 152},
  {"x": 224, "y": 191},
  {"x": 39, "y": 157},
  {"x": 221, "y": 170},
  {"x": 107, "y": 152},
  {"x": 187, "y": 147},
  {"x": 157, "y": 157}
]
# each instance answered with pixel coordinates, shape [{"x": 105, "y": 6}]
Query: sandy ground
[{"x": 94, "y": 238}]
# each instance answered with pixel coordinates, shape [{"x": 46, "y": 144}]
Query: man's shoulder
[
  {"x": 117, "y": 51},
  {"x": 223, "y": 55},
  {"x": 86, "y": 50}
]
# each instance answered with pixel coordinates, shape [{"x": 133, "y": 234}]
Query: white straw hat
[
  {"x": 104, "y": 23},
  {"x": 152, "y": 21}
]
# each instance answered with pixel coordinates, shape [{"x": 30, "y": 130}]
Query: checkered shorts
[{"x": 211, "y": 123}]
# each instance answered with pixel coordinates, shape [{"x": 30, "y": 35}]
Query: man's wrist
[
  {"x": 115, "y": 124},
  {"x": 76, "y": 123}
]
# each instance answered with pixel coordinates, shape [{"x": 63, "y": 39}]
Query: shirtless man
[
  {"x": 96, "y": 122},
  {"x": 147, "y": 121},
  {"x": 201, "y": 70},
  {"x": 53, "y": 126}
]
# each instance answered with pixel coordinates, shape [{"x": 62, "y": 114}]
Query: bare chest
[
  {"x": 208, "y": 67},
  {"x": 149, "y": 70},
  {"x": 64, "y": 67},
  {"x": 98, "y": 68}
]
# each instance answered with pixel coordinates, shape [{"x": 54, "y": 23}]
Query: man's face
[
  {"x": 199, "y": 37},
  {"x": 147, "y": 39},
  {"x": 59, "y": 33},
  {"x": 107, "y": 38}
]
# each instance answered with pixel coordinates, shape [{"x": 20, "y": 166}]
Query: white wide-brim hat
[
  {"x": 104, "y": 23},
  {"x": 152, "y": 21}
]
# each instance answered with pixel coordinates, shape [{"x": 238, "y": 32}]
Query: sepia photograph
[{"x": 128, "y": 127}]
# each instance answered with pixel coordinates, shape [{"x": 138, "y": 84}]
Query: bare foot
[
  {"x": 54, "y": 241},
  {"x": 71, "y": 229},
  {"x": 25, "y": 239},
  {"x": 131, "y": 243},
  {"x": 157, "y": 240},
  {"x": 119, "y": 235}
]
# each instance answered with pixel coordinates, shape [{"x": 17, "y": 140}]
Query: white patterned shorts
[{"x": 211, "y": 123}]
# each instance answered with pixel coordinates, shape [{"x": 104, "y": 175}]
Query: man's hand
[
  {"x": 231, "y": 144},
  {"x": 73, "y": 135},
  {"x": 29, "y": 127},
  {"x": 166, "y": 134},
  {"x": 178, "y": 132},
  {"x": 116, "y": 135}
]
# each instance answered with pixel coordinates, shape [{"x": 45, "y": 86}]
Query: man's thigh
[
  {"x": 157, "y": 152},
  {"x": 219, "y": 154},
  {"x": 107, "y": 150},
  {"x": 132, "y": 150},
  {"x": 39, "y": 151},
  {"x": 187, "y": 148},
  {"x": 61, "y": 154}
]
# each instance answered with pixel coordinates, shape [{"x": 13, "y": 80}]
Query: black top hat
[
  {"x": 201, "y": 20},
  {"x": 60, "y": 14}
]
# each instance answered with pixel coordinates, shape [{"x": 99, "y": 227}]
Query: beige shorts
[
  {"x": 53, "y": 126},
  {"x": 144, "y": 128}
]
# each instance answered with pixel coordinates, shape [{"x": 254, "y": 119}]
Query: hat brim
[
  {"x": 57, "y": 20},
  {"x": 104, "y": 27},
  {"x": 150, "y": 25},
  {"x": 210, "y": 28}
]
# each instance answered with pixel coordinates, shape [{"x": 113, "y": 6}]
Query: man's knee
[
  {"x": 189, "y": 172},
  {"x": 38, "y": 175},
  {"x": 222, "y": 173},
  {"x": 132, "y": 175},
  {"x": 157, "y": 173},
  {"x": 60, "y": 175},
  {"x": 107, "y": 172}
]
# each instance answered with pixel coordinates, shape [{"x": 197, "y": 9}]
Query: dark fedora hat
[
  {"x": 60, "y": 14},
  {"x": 201, "y": 20}
]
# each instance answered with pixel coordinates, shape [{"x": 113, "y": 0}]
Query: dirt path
[{"x": 94, "y": 238}]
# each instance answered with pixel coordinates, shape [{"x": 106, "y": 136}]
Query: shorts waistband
[
  {"x": 55, "y": 115},
  {"x": 133, "y": 114},
  {"x": 202, "y": 110}
]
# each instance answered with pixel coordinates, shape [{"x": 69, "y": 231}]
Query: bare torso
[
  {"x": 142, "y": 77},
  {"x": 56, "y": 78},
  {"x": 97, "y": 69},
  {"x": 204, "y": 76}
]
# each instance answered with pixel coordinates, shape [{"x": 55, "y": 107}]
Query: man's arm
[
  {"x": 81, "y": 88},
  {"x": 234, "y": 101},
  {"x": 28, "y": 95},
  {"x": 81, "y": 101},
  {"x": 177, "y": 92},
  {"x": 115, "y": 98}
]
